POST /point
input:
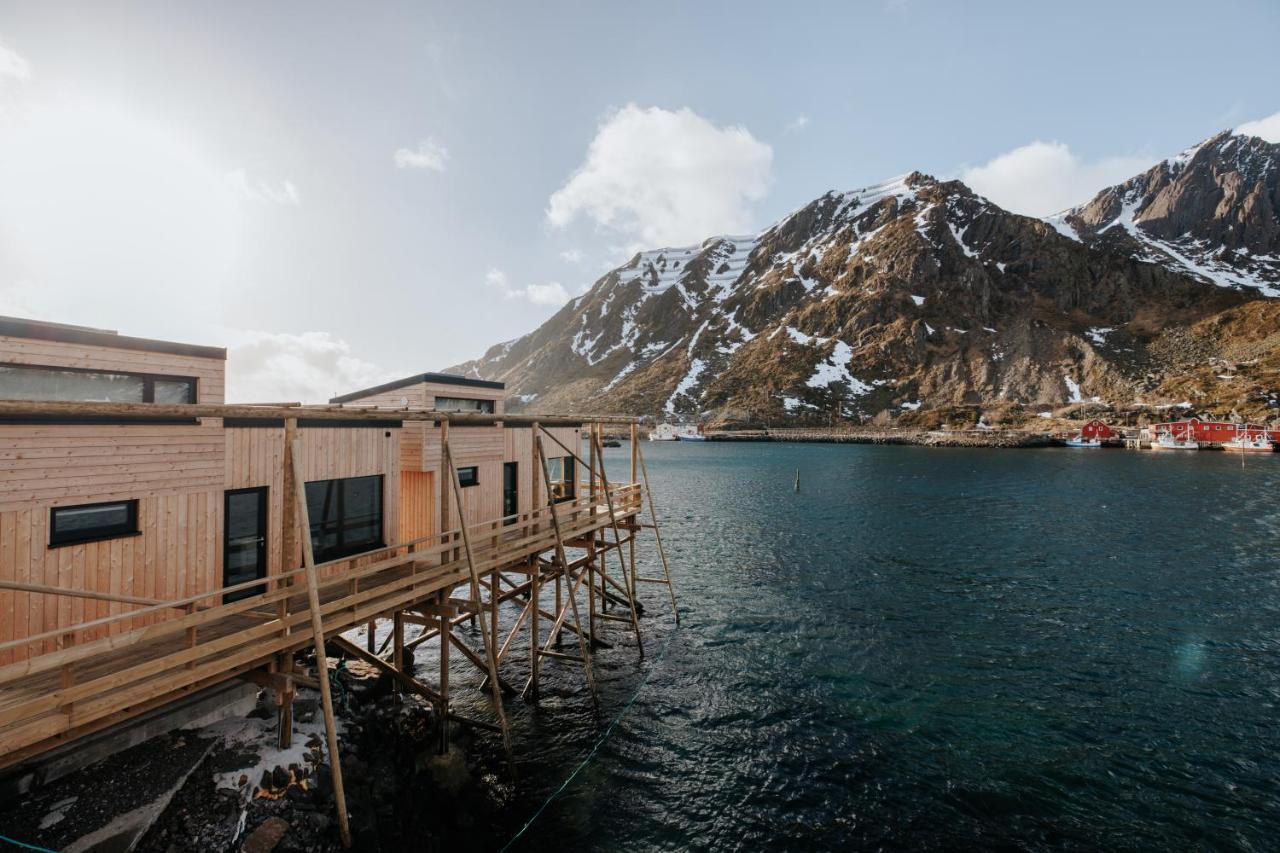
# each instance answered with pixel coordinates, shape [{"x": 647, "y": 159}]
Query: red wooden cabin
[{"x": 1096, "y": 429}]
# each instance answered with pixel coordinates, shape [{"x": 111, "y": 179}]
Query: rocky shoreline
[
  {"x": 920, "y": 438},
  {"x": 229, "y": 787}
]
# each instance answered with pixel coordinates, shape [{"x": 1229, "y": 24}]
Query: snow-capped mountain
[
  {"x": 913, "y": 294},
  {"x": 1212, "y": 212}
]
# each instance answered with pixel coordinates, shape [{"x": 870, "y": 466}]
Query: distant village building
[{"x": 1096, "y": 429}]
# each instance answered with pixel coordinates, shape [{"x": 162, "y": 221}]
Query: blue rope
[
  {"x": 24, "y": 845},
  {"x": 591, "y": 753}
]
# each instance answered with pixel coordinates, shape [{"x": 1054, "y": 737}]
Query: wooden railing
[{"x": 85, "y": 685}]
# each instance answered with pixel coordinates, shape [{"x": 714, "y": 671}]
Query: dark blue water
[{"x": 934, "y": 649}]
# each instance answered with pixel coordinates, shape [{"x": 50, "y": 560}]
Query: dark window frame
[
  {"x": 470, "y": 478},
  {"x": 512, "y": 495},
  {"x": 566, "y": 487},
  {"x": 342, "y": 548},
  {"x": 487, "y": 406},
  {"x": 128, "y": 528},
  {"x": 149, "y": 380}
]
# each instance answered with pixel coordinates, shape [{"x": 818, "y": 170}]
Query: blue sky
[{"x": 346, "y": 192}]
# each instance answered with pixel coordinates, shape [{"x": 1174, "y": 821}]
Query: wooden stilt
[
  {"x": 317, "y": 631},
  {"x": 535, "y": 595},
  {"x": 617, "y": 539},
  {"x": 490, "y": 637},
  {"x": 572, "y": 582},
  {"x": 445, "y": 646},
  {"x": 397, "y": 637},
  {"x": 657, "y": 534}
]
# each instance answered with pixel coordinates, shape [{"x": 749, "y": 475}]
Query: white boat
[
  {"x": 664, "y": 432},
  {"x": 1252, "y": 442},
  {"x": 1079, "y": 441},
  {"x": 1168, "y": 441},
  {"x": 691, "y": 433}
]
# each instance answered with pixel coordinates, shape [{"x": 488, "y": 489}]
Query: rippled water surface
[{"x": 933, "y": 649}]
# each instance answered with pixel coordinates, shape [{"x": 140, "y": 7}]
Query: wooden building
[
  {"x": 1096, "y": 429},
  {"x": 1210, "y": 432},
  {"x": 155, "y": 507},
  {"x": 495, "y": 462},
  {"x": 155, "y": 540}
]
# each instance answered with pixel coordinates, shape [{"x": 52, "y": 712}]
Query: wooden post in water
[
  {"x": 797, "y": 479},
  {"x": 317, "y": 632}
]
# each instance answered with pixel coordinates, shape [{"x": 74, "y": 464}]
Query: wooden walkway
[{"x": 84, "y": 686}]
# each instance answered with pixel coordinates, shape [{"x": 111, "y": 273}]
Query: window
[
  {"x": 463, "y": 404},
  {"x": 563, "y": 477},
  {"x": 26, "y": 382},
  {"x": 469, "y": 476},
  {"x": 346, "y": 516},
  {"x": 69, "y": 525}
]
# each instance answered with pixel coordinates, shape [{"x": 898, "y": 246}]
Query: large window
[
  {"x": 69, "y": 525},
  {"x": 463, "y": 404},
  {"x": 24, "y": 382},
  {"x": 346, "y": 516},
  {"x": 563, "y": 477}
]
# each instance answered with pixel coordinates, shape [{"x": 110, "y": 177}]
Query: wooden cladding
[
  {"x": 66, "y": 464},
  {"x": 209, "y": 373}
]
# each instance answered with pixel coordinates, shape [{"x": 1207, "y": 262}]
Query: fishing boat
[
  {"x": 1250, "y": 442},
  {"x": 1169, "y": 441},
  {"x": 690, "y": 432},
  {"x": 1081, "y": 441}
]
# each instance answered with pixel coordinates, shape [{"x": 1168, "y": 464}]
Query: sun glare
[{"x": 94, "y": 194}]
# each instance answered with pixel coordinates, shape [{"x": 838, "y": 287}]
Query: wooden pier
[{"x": 102, "y": 630}]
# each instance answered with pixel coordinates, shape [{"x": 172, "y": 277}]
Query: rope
[
  {"x": 24, "y": 845},
  {"x": 591, "y": 753}
]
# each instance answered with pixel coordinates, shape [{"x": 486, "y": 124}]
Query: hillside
[{"x": 918, "y": 294}]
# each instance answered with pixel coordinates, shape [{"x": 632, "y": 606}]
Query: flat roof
[
  {"x": 16, "y": 327},
  {"x": 440, "y": 378}
]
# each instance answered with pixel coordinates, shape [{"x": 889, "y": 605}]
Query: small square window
[
  {"x": 469, "y": 476},
  {"x": 69, "y": 525}
]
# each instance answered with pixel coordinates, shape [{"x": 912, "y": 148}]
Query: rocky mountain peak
[{"x": 1212, "y": 212}]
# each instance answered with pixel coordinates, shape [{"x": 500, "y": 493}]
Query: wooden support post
[
  {"x": 445, "y": 627},
  {"x": 490, "y": 637},
  {"x": 591, "y": 535},
  {"x": 564, "y": 569},
  {"x": 284, "y": 714},
  {"x": 397, "y": 639},
  {"x": 535, "y": 592},
  {"x": 657, "y": 534},
  {"x": 635, "y": 478},
  {"x": 317, "y": 631},
  {"x": 617, "y": 540}
]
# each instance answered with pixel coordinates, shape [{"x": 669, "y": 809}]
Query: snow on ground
[
  {"x": 1098, "y": 334},
  {"x": 687, "y": 384},
  {"x": 792, "y": 404},
  {"x": 1073, "y": 389},
  {"x": 835, "y": 368},
  {"x": 1044, "y": 414},
  {"x": 1060, "y": 224},
  {"x": 526, "y": 398},
  {"x": 958, "y": 234},
  {"x": 912, "y": 406},
  {"x": 918, "y": 300},
  {"x": 260, "y": 736}
]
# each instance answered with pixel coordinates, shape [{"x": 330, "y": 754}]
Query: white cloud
[
  {"x": 667, "y": 177},
  {"x": 1046, "y": 177},
  {"x": 797, "y": 124},
  {"x": 1268, "y": 128},
  {"x": 572, "y": 256},
  {"x": 309, "y": 368},
  {"x": 551, "y": 293},
  {"x": 429, "y": 155},
  {"x": 12, "y": 65},
  {"x": 254, "y": 189}
]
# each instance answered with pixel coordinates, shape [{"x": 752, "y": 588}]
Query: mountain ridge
[{"x": 916, "y": 294}]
